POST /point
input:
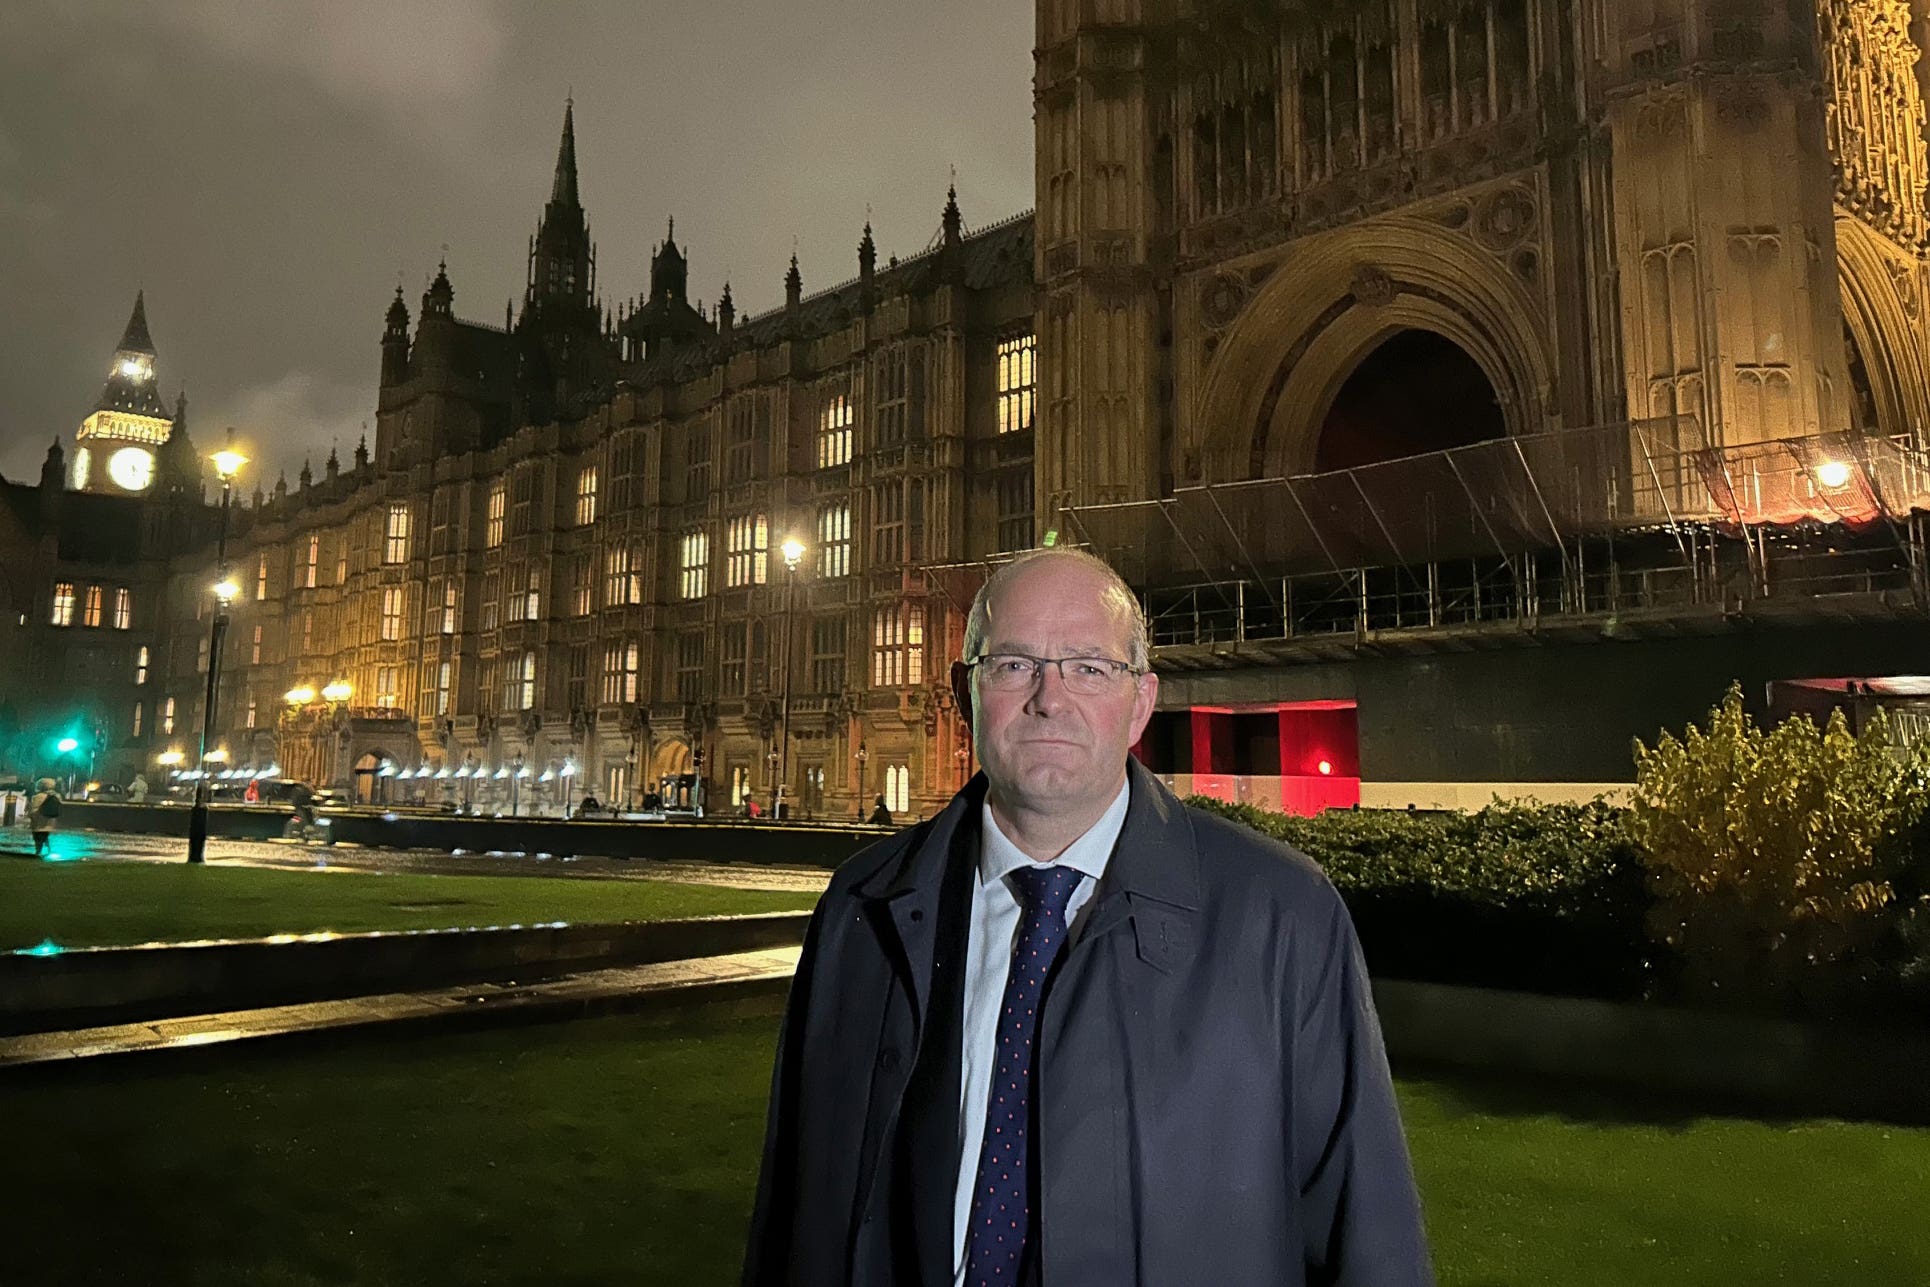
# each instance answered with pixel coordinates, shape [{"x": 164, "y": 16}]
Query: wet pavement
[
  {"x": 740, "y": 976},
  {"x": 91, "y": 846}
]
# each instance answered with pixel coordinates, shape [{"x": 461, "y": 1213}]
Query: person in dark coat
[
  {"x": 42, "y": 809},
  {"x": 880, "y": 814},
  {"x": 1071, "y": 1032}
]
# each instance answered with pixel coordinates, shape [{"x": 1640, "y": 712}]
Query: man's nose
[{"x": 1048, "y": 690}]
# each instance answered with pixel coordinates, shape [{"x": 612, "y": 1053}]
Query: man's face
[{"x": 1043, "y": 748}]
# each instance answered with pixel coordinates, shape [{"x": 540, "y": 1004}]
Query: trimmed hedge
[{"x": 1544, "y": 898}]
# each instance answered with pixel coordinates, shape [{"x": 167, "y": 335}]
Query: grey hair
[{"x": 1117, "y": 595}]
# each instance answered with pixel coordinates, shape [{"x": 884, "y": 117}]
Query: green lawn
[
  {"x": 622, "y": 1150},
  {"x": 91, "y": 904}
]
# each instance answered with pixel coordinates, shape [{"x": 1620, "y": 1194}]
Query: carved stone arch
[
  {"x": 1877, "y": 318},
  {"x": 1334, "y": 298}
]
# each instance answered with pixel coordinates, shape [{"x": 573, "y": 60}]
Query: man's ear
[{"x": 962, "y": 690}]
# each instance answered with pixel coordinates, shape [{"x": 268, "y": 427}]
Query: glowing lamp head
[
  {"x": 299, "y": 696},
  {"x": 1326, "y": 768},
  {"x": 793, "y": 552},
  {"x": 337, "y": 691},
  {"x": 227, "y": 463},
  {"x": 1833, "y": 474},
  {"x": 227, "y": 590},
  {"x": 66, "y": 745},
  {"x": 169, "y": 758},
  {"x": 219, "y": 755}
]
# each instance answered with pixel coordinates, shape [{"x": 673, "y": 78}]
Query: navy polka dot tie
[{"x": 1001, "y": 1198}]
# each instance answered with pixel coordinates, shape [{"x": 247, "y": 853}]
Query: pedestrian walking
[{"x": 42, "y": 809}]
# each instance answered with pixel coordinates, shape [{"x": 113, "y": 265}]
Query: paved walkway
[
  {"x": 95, "y": 846},
  {"x": 739, "y": 976}
]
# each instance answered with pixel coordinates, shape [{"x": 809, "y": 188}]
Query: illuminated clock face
[
  {"x": 83, "y": 461},
  {"x": 131, "y": 468}
]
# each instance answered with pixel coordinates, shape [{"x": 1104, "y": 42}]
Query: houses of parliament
[{"x": 1467, "y": 385}]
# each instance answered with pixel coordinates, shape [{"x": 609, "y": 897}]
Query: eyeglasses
[{"x": 1013, "y": 672}]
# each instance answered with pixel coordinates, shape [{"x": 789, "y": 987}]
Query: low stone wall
[
  {"x": 797, "y": 844},
  {"x": 1677, "y": 1054},
  {"x": 117, "y": 984}
]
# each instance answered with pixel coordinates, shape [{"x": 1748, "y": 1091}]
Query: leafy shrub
[
  {"x": 1540, "y": 897},
  {"x": 1784, "y": 862}
]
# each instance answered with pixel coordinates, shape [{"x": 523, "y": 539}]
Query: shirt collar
[{"x": 998, "y": 857}]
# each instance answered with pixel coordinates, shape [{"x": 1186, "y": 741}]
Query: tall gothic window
[
  {"x": 388, "y": 691},
  {"x": 898, "y": 646},
  {"x": 140, "y": 664},
  {"x": 746, "y": 551},
  {"x": 493, "y": 521},
  {"x": 693, "y": 565},
  {"x": 123, "y": 608},
  {"x": 63, "y": 614},
  {"x": 834, "y": 539},
  {"x": 586, "y": 496},
  {"x": 443, "y": 670},
  {"x": 834, "y": 431},
  {"x": 1017, "y": 383},
  {"x": 261, "y": 578},
  {"x": 313, "y": 562},
  {"x": 690, "y": 666},
  {"x": 392, "y": 612},
  {"x": 827, "y": 654},
  {"x": 582, "y": 585},
  {"x": 90, "y": 614},
  {"x": 395, "y": 546},
  {"x": 449, "y": 606}
]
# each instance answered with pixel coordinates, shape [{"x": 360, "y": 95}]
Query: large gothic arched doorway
[{"x": 1415, "y": 392}]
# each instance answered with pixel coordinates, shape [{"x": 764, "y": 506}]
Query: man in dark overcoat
[{"x": 1071, "y": 1032}]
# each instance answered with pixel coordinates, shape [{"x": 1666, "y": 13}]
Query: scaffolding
[{"x": 1645, "y": 523}]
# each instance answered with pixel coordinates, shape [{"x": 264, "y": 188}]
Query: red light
[{"x": 1326, "y": 767}]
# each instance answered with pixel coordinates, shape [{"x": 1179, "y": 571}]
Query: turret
[
  {"x": 867, "y": 269},
  {"x": 395, "y": 342}
]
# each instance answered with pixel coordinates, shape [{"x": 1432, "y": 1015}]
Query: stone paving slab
[{"x": 738, "y": 976}]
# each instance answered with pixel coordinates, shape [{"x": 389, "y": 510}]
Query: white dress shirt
[{"x": 993, "y": 932}]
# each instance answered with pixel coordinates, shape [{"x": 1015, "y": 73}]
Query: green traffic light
[{"x": 65, "y": 745}]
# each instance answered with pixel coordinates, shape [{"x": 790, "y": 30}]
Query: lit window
[
  {"x": 898, "y": 788},
  {"x": 490, "y": 607},
  {"x": 395, "y": 548},
  {"x": 391, "y": 612},
  {"x": 623, "y": 577},
  {"x": 528, "y": 694},
  {"x": 498, "y": 506},
  {"x": 63, "y": 603},
  {"x": 91, "y": 611},
  {"x": 314, "y": 560},
  {"x": 261, "y": 578},
  {"x": 167, "y": 717},
  {"x": 898, "y": 646},
  {"x": 254, "y": 652},
  {"x": 385, "y": 687},
  {"x": 533, "y": 594},
  {"x": 139, "y": 710},
  {"x": 1018, "y": 383},
  {"x": 251, "y": 713},
  {"x": 123, "y": 608},
  {"x": 308, "y": 630},
  {"x": 834, "y": 539},
  {"x": 449, "y": 606},
  {"x": 620, "y": 673},
  {"x": 694, "y": 565},
  {"x": 586, "y": 496},
  {"x": 834, "y": 432},
  {"x": 341, "y": 560},
  {"x": 140, "y": 665},
  {"x": 442, "y": 688},
  {"x": 747, "y": 543}
]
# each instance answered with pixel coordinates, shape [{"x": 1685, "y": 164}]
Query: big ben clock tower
[{"x": 116, "y": 448}]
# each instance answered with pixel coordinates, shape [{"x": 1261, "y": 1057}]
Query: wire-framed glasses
[{"x": 1012, "y": 672}]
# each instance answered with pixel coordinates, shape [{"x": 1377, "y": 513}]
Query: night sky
[{"x": 268, "y": 171}]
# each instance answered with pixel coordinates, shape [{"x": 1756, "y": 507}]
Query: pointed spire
[
  {"x": 563, "y": 188},
  {"x": 334, "y": 463},
  {"x": 362, "y": 451},
  {"x": 793, "y": 284},
  {"x": 135, "y": 338},
  {"x": 281, "y": 485},
  {"x": 954, "y": 224},
  {"x": 307, "y": 474},
  {"x": 867, "y": 252},
  {"x": 726, "y": 311}
]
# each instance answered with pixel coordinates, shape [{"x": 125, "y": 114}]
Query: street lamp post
[
  {"x": 861, "y": 756},
  {"x": 518, "y": 771},
  {"x": 227, "y": 463},
  {"x": 793, "y": 554}
]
